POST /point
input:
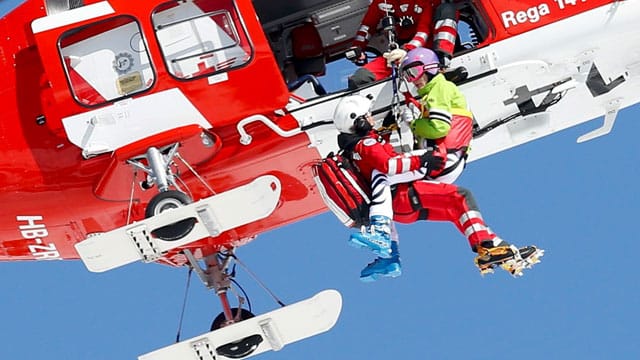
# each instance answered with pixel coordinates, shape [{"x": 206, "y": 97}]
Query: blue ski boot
[
  {"x": 376, "y": 238},
  {"x": 380, "y": 267}
]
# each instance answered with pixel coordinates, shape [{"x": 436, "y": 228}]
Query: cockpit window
[
  {"x": 106, "y": 61},
  {"x": 200, "y": 37}
]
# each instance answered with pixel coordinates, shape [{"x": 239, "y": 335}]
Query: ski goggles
[{"x": 414, "y": 71}]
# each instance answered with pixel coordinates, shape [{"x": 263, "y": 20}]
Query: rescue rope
[{"x": 389, "y": 28}]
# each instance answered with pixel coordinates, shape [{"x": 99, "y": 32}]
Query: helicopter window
[
  {"x": 472, "y": 28},
  {"x": 106, "y": 61},
  {"x": 200, "y": 37}
]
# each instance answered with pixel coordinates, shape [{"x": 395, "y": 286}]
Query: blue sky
[{"x": 577, "y": 201}]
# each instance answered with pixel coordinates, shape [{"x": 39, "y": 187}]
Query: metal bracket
[
  {"x": 610, "y": 115},
  {"x": 147, "y": 248},
  {"x": 214, "y": 276},
  {"x": 203, "y": 349},
  {"x": 209, "y": 220}
]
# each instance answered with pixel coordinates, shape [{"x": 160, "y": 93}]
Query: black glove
[
  {"x": 356, "y": 55},
  {"x": 432, "y": 162}
]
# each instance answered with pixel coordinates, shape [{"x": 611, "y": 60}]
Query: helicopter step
[
  {"x": 270, "y": 331},
  {"x": 209, "y": 217}
]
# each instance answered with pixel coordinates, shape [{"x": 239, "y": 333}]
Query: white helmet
[{"x": 348, "y": 110}]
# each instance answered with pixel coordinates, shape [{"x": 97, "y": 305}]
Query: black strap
[
  {"x": 464, "y": 156},
  {"x": 416, "y": 204}
]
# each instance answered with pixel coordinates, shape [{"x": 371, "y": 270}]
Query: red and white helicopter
[{"x": 181, "y": 130}]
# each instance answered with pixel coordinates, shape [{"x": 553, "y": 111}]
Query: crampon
[{"x": 509, "y": 258}]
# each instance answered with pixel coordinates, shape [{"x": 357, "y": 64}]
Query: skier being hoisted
[{"x": 419, "y": 200}]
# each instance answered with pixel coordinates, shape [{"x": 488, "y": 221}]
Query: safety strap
[
  {"x": 416, "y": 204},
  {"x": 408, "y": 98},
  {"x": 464, "y": 156}
]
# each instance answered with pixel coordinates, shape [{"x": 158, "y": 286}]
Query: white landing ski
[
  {"x": 270, "y": 331},
  {"x": 213, "y": 215}
]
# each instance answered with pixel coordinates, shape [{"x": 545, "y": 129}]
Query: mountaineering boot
[
  {"x": 376, "y": 238},
  {"x": 510, "y": 258},
  {"x": 381, "y": 267}
]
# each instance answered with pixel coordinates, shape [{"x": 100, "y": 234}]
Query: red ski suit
[
  {"x": 412, "y": 20},
  {"x": 372, "y": 152},
  {"x": 420, "y": 200},
  {"x": 415, "y": 27},
  {"x": 435, "y": 201}
]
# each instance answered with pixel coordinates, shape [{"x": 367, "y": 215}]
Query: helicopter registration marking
[{"x": 33, "y": 229}]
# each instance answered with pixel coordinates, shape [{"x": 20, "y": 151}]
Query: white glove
[
  {"x": 410, "y": 113},
  {"x": 394, "y": 56}
]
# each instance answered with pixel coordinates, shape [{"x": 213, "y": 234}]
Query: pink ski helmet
[{"x": 417, "y": 62}]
